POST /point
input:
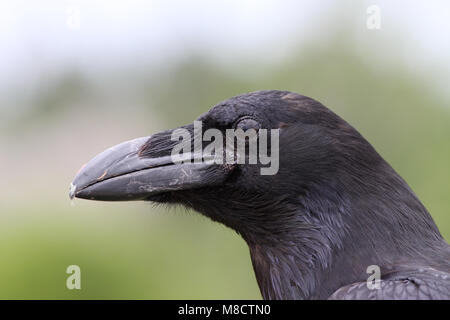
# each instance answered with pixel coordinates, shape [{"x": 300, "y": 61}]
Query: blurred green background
[{"x": 58, "y": 110}]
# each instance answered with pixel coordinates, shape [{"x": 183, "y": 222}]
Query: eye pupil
[{"x": 247, "y": 123}]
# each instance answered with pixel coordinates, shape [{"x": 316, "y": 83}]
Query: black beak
[{"x": 123, "y": 173}]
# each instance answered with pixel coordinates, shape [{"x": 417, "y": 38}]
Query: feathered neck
[{"x": 332, "y": 237}]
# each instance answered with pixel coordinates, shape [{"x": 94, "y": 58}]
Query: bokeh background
[{"x": 79, "y": 76}]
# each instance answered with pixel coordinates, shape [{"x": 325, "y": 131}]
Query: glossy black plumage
[{"x": 334, "y": 208}]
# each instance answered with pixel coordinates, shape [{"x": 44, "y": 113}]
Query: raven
[{"x": 333, "y": 209}]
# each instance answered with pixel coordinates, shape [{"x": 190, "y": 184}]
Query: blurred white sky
[{"x": 35, "y": 36}]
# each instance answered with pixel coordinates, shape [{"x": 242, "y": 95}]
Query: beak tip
[{"x": 72, "y": 191}]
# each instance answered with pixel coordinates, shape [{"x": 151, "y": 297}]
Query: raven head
[
  {"x": 311, "y": 152},
  {"x": 317, "y": 202}
]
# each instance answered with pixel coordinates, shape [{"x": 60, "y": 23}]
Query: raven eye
[{"x": 247, "y": 123}]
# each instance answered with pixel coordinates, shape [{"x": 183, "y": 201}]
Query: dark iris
[{"x": 247, "y": 123}]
